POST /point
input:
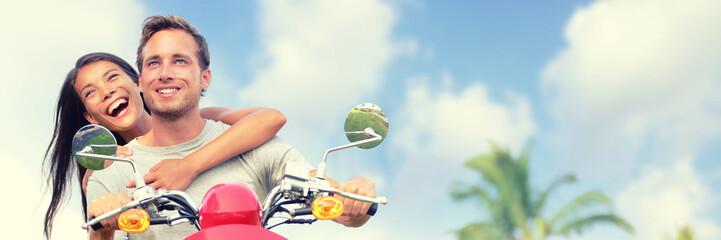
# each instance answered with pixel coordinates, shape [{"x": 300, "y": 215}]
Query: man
[{"x": 173, "y": 62}]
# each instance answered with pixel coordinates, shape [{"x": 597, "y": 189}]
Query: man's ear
[
  {"x": 90, "y": 118},
  {"x": 205, "y": 79},
  {"x": 140, "y": 83}
]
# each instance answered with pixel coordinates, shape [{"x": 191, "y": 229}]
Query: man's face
[{"x": 172, "y": 79}]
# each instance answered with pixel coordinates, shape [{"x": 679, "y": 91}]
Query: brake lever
[{"x": 380, "y": 200}]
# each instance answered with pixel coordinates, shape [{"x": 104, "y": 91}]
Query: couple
[{"x": 177, "y": 147}]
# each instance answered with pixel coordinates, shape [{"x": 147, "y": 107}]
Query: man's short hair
[{"x": 154, "y": 24}]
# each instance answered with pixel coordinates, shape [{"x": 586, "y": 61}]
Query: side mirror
[
  {"x": 366, "y": 126},
  {"x": 366, "y": 121},
  {"x": 96, "y": 140},
  {"x": 93, "y": 144}
]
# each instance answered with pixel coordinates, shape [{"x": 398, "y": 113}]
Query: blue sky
[{"x": 621, "y": 93}]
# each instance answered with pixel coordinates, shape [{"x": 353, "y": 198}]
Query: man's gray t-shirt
[{"x": 260, "y": 169}]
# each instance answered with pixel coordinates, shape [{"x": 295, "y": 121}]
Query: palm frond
[
  {"x": 481, "y": 231},
  {"x": 685, "y": 233},
  {"x": 462, "y": 191},
  {"x": 585, "y": 200},
  {"x": 540, "y": 228},
  {"x": 580, "y": 224},
  {"x": 523, "y": 159},
  {"x": 510, "y": 180},
  {"x": 522, "y": 183},
  {"x": 506, "y": 191},
  {"x": 486, "y": 165},
  {"x": 541, "y": 201}
]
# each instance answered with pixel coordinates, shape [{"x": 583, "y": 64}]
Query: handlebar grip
[
  {"x": 372, "y": 210},
  {"x": 159, "y": 220},
  {"x": 303, "y": 211},
  {"x": 96, "y": 226}
]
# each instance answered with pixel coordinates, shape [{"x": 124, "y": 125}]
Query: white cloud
[
  {"x": 664, "y": 199},
  {"x": 440, "y": 130},
  {"x": 637, "y": 86},
  {"x": 323, "y": 58},
  {"x": 461, "y": 125},
  {"x": 636, "y": 75},
  {"x": 42, "y": 45},
  {"x": 42, "y": 40}
]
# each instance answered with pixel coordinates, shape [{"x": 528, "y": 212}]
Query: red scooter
[{"x": 232, "y": 210}]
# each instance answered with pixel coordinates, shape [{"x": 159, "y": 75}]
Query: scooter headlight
[
  {"x": 134, "y": 221},
  {"x": 328, "y": 207}
]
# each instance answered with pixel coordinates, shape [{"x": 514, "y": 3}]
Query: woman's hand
[{"x": 170, "y": 174}]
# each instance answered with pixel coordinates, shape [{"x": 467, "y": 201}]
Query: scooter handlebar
[
  {"x": 95, "y": 221},
  {"x": 381, "y": 200},
  {"x": 96, "y": 226}
]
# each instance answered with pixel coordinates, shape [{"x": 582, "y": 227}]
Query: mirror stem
[
  {"x": 368, "y": 133},
  {"x": 139, "y": 181}
]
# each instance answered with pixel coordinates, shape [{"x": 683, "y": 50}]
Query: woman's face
[{"x": 110, "y": 96}]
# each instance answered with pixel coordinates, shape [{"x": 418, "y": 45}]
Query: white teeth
[
  {"x": 115, "y": 105},
  {"x": 167, "y": 90}
]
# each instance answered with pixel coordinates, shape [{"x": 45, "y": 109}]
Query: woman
[{"x": 103, "y": 79}]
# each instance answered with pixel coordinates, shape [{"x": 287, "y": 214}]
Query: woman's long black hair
[{"x": 68, "y": 119}]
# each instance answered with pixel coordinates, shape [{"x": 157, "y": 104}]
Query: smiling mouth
[
  {"x": 167, "y": 90},
  {"x": 117, "y": 107}
]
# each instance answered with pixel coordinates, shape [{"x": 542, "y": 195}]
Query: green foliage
[
  {"x": 360, "y": 119},
  {"x": 481, "y": 230},
  {"x": 684, "y": 233},
  {"x": 541, "y": 201},
  {"x": 94, "y": 136},
  {"x": 577, "y": 225},
  {"x": 515, "y": 212}
]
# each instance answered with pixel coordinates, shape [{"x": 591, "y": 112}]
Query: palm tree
[
  {"x": 684, "y": 233},
  {"x": 515, "y": 212}
]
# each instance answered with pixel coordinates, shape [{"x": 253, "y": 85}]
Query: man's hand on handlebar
[
  {"x": 354, "y": 212},
  {"x": 105, "y": 204}
]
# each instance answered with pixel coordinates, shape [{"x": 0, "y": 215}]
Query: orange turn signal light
[
  {"x": 325, "y": 208},
  {"x": 134, "y": 221}
]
